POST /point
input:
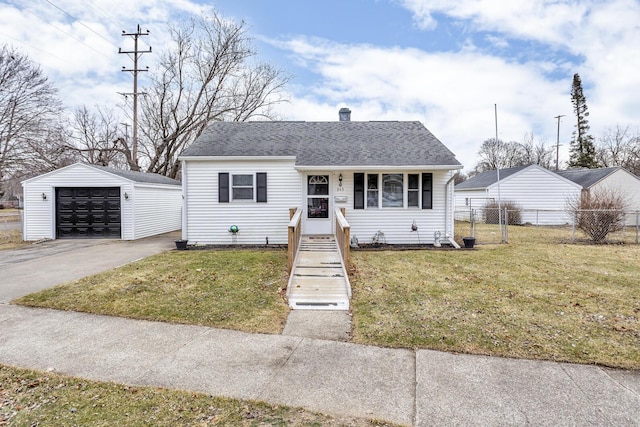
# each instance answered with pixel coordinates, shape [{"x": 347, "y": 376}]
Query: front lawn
[
  {"x": 224, "y": 289},
  {"x": 526, "y": 299},
  {"x": 573, "y": 303}
]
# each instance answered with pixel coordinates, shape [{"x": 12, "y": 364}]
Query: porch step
[{"x": 318, "y": 279}]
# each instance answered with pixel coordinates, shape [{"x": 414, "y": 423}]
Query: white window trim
[
  {"x": 253, "y": 188},
  {"x": 405, "y": 190}
]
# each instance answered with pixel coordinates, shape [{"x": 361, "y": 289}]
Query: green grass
[
  {"x": 532, "y": 298},
  {"x": 31, "y": 398},
  {"x": 573, "y": 303},
  {"x": 225, "y": 289}
]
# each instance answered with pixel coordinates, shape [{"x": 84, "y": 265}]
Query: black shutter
[
  {"x": 358, "y": 191},
  {"x": 261, "y": 195},
  {"x": 223, "y": 187},
  {"x": 427, "y": 191}
]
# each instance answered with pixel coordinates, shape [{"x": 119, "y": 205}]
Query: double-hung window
[
  {"x": 245, "y": 187},
  {"x": 372, "y": 191},
  {"x": 242, "y": 187}
]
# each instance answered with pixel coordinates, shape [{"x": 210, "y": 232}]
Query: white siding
[
  {"x": 157, "y": 209},
  {"x": 626, "y": 183},
  {"x": 154, "y": 208},
  {"x": 39, "y": 215},
  {"x": 540, "y": 193},
  {"x": 207, "y": 221},
  {"x": 470, "y": 199},
  {"x": 396, "y": 223}
]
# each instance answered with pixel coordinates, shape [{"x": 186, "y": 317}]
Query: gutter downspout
[
  {"x": 449, "y": 212},
  {"x": 185, "y": 231}
]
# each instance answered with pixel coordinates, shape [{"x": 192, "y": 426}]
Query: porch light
[
  {"x": 44, "y": 196},
  {"x": 126, "y": 196},
  {"x": 340, "y": 180}
]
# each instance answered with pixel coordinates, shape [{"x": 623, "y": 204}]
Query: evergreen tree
[{"x": 582, "y": 148}]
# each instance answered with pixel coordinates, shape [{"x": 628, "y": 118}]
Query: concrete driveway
[{"x": 42, "y": 265}]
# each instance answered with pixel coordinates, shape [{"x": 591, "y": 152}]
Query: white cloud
[{"x": 452, "y": 94}]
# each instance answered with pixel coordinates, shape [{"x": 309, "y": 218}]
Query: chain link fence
[
  {"x": 10, "y": 224},
  {"x": 491, "y": 226}
]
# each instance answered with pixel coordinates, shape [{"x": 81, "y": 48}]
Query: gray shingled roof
[
  {"x": 587, "y": 177},
  {"x": 488, "y": 178},
  {"x": 341, "y": 144},
  {"x": 150, "y": 178}
]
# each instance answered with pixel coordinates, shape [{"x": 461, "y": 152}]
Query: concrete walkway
[{"x": 421, "y": 388}]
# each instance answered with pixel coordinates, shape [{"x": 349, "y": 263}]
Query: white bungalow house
[
  {"x": 394, "y": 180},
  {"x": 540, "y": 193}
]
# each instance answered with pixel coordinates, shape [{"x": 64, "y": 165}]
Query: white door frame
[{"x": 312, "y": 225}]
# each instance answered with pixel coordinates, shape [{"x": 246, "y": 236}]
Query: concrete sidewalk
[{"x": 421, "y": 388}]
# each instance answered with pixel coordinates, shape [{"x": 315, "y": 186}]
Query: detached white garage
[{"x": 84, "y": 201}]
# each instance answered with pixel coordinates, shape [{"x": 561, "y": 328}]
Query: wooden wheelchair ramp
[{"x": 318, "y": 278}]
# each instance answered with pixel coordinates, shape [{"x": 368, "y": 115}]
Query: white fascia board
[
  {"x": 235, "y": 158},
  {"x": 378, "y": 168}
]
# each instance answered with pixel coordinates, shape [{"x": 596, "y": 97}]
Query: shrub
[
  {"x": 599, "y": 212},
  {"x": 514, "y": 212}
]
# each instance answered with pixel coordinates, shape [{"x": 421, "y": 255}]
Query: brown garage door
[{"x": 88, "y": 212}]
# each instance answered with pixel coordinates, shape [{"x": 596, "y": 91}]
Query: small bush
[
  {"x": 599, "y": 212},
  {"x": 492, "y": 215}
]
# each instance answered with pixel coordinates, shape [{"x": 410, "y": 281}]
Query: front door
[{"x": 318, "y": 215}]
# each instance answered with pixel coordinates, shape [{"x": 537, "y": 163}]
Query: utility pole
[
  {"x": 135, "y": 70},
  {"x": 558, "y": 143}
]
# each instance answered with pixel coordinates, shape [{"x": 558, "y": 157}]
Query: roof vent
[{"x": 345, "y": 115}]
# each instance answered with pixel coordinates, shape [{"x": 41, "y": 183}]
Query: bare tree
[
  {"x": 499, "y": 154},
  {"x": 619, "y": 147},
  {"x": 206, "y": 74},
  {"x": 29, "y": 108},
  {"x": 535, "y": 153},
  {"x": 97, "y": 138}
]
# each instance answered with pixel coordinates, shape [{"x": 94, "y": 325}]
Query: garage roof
[{"x": 146, "y": 177}]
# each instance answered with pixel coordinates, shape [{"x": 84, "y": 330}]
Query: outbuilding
[
  {"x": 540, "y": 194},
  {"x": 84, "y": 201}
]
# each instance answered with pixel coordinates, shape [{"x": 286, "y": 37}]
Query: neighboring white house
[
  {"x": 540, "y": 193},
  {"x": 89, "y": 201},
  {"x": 615, "y": 178},
  {"x": 389, "y": 176}
]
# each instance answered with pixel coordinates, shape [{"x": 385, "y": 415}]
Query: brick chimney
[{"x": 345, "y": 114}]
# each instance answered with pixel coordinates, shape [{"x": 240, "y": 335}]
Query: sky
[{"x": 448, "y": 64}]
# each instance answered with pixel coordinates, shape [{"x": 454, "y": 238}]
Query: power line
[
  {"x": 104, "y": 14},
  {"x": 81, "y": 23},
  {"x": 66, "y": 33}
]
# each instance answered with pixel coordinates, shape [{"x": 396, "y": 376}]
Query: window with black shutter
[
  {"x": 261, "y": 195},
  {"x": 427, "y": 191},
  {"x": 223, "y": 187},
  {"x": 358, "y": 191}
]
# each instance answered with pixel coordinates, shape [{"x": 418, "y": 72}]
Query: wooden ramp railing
[
  {"x": 295, "y": 233},
  {"x": 318, "y": 277},
  {"x": 343, "y": 237}
]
